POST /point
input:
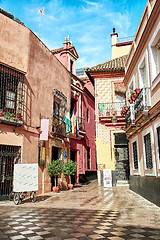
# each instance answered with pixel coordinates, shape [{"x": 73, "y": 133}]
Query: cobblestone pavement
[{"x": 87, "y": 212}]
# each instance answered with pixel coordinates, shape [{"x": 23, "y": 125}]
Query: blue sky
[{"x": 89, "y": 23}]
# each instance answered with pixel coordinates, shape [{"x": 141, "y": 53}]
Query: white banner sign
[
  {"x": 44, "y": 129},
  {"x": 25, "y": 177},
  {"x": 107, "y": 178}
]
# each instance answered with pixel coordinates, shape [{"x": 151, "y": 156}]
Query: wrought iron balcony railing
[
  {"x": 58, "y": 127},
  {"x": 110, "y": 109},
  {"x": 81, "y": 123},
  {"x": 130, "y": 115},
  {"x": 141, "y": 103}
]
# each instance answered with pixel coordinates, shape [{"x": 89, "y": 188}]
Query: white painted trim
[
  {"x": 135, "y": 171},
  {"x": 130, "y": 83},
  {"x": 149, "y": 172},
  {"x": 143, "y": 84},
  {"x": 144, "y": 59},
  {"x": 156, "y": 125},
  {"x": 152, "y": 43}
]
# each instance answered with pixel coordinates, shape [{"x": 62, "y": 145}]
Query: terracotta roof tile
[{"x": 114, "y": 64}]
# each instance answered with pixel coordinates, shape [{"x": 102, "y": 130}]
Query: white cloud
[
  {"x": 93, "y": 6},
  {"x": 90, "y": 3}
]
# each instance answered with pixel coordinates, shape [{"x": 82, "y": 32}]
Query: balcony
[
  {"x": 82, "y": 131},
  {"x": 142, "y": 102},
  {"x": 81, "y": 123},
  {"x": 58, "y": 128},
  {"x": 137, "y": 112},
  {"x": 110, "y": 109},
  {"x": 106, "y": 111}
]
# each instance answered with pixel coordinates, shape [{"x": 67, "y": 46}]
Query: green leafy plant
[
  {"x": 55, "y": 169},
  {"x": 69, "y": 168},
  {"x": 9, "y": 115}
]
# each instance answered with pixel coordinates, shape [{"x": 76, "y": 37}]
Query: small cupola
[{"x": 67, "y": 43}]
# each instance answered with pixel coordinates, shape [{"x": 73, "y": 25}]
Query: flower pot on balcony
[
  {"x": 1, "y": 112},
  {"x": 137, "y": 90},
  {"x": 55, "y": 189},
  {"x": 19, "y": 117},
  {"x": 130, "y": 101},
  {"x": 108, "y": 113},
  {"x": 135, "y": 95},
  {"x": 70, "y": 186},
  {"x": 114, "y": 113},
  {"x": 133, "y": 98}
]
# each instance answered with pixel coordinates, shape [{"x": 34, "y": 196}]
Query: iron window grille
[
  {"x": 158, "y": 139},
  {"x": 59, "y": 109},
  {"x": 88, "y": 158},
  {"x": 9, "y": 155},
  {"x": 148, "y": 151},
  {"x": 11, "y": 94},
  {"x": 135, "y": 155}
]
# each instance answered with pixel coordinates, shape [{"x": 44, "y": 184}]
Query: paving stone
[{"x": 77, "y": 216}]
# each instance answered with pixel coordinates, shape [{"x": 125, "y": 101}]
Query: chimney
[{"x": 114, "y": 37}]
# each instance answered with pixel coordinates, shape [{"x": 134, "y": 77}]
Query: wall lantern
[{"x": 114, "y": 120}]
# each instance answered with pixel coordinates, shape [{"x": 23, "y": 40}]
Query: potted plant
[
  {"x": 114, "y": 113},
  {"x": 1, "y": 112},
  {"x": 55, "y": 169},
  {"x": 130, "y": 101},
  {"x": 108, "y": 113},
  {"x": 19, "y": 117},
  {"x": 69, "y": 169},
  {"x": 137, "y": 90}
]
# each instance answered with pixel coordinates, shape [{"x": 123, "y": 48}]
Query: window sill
[
  {"x": 11, "y": 121},
  {"x": 149, "y": 172},
  {"x": 156, "y": 81},
  {"x": 136, "y": 172}
]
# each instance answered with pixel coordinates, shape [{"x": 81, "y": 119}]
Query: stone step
[{"x": 122, "y": 183}]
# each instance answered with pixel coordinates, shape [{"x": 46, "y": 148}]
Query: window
[
  {"x": 135, "y": 168},
  {"x": 158, "y": 141},
  {"x": 87, "y": 115},
  {"x": 88, "y": 157},
  {"x": 157, "y": 144},
  {"x": 71, "y": 66},
  {"x": 59, "y": 108},
  {"x": 11, "y": 93},
  {"x": 148, "y": 151},
  {"x": 154, "y": 56},
  {"x": 73, "y": 107},
  {"x": 131, "y": 86},
  {"x": 59, "y": 105},
  {"x": 135, "y": 155}
]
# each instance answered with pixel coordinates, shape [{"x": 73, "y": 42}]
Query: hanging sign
[{"x": 44, "y": 129}]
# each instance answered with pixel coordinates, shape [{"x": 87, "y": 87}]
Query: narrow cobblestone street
[{"x": 87, "y": 212}]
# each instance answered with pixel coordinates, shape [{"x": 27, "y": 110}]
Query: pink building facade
[
  {"x": 34, "y": 86},
  {"x": 82, "y": 147}
]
